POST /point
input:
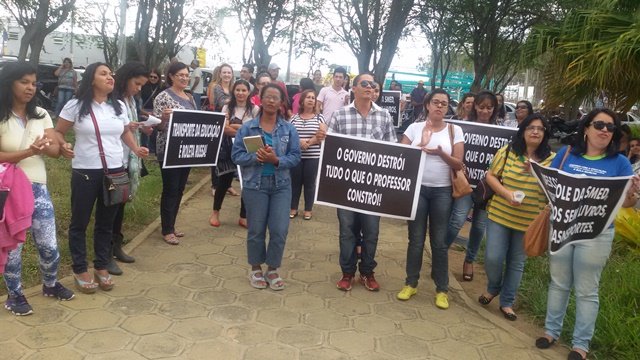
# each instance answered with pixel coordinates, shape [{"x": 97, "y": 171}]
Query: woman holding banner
[
  {"x": 238, "y": 111},
  {"x": 444, "y": 148},
  {"x": 307, "y": 123},
  {"x": 515, "y": 204},
  {"x": 174, "y": 180},
  {"x": 484, "y": 110},
  {"x": 267, "y": 184},
  {"x": 579, "y": 265}
]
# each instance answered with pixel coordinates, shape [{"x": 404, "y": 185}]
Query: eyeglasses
[
  {"x": 182, "y": 76},
  {"x": 439, "y": 103},
  {"x": 365, "y": 83},
  {"x": 599, "y": 125},
  {"x": 535, "y": 128}
]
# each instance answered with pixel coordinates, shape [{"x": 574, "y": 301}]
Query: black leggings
[{"x": 224, "y": 183}]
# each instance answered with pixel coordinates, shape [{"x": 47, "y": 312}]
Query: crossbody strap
[
  {"x": 564, "y": 158},
  {"x": 100, "y": 148}
]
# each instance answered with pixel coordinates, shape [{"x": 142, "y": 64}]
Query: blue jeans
[
  {"x": 351, "y": 224},
  {"x": 304, "y": 174},
  {"x": 197, "y": 98},
  {"x": 268, "y": 208},
  {"x": 43, "y": 233},
  {"x": 461, "y": 207},
  {"x": 434, "y": 208},
  {"x": 505, "y": 250},
  {"x": 64, "y": 95},
  {"x": 578, "y": 265}
]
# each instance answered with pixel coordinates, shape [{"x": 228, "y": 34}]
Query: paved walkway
[{"x": 194, "y": 301}]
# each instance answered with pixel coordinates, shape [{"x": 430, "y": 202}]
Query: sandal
[
  {"x": 275, "y": 283},
  {"x": 485, "y": 300},
  {"x": 231, "y": 191},
  {"x": 178, "y": 234},
  {"x": 293, "y": 214},
  {"x": 243, "y": 223},
  {"x": 466, "y": 275},
  {"x": 85, "y": 287},
  {"x": 214, "y": 220},
  {"x": 171, "y": 239},
  {"x": 257, "y": 279},
  {"x": 543, "y": 342},
  {"x": 307, "y": 215},
  {"x": 104, "y": 282}
]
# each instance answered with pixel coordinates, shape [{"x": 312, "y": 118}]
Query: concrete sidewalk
[{"x": 194, "y": 301}]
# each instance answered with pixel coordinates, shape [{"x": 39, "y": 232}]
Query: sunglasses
[
  {"x": 365, "y": 83},
  {"x": 599, "y": 125}
]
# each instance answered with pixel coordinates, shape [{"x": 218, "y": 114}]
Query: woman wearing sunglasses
[{"x": 579, "y": 264}]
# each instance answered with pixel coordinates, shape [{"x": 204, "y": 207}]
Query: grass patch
[
  {"x": 139, "y": 213},
  {"x": 616, "y": 334}
]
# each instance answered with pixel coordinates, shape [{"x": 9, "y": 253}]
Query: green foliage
[
  {"x": 594, "y": 49},
  {"x": 618, "y": 319}
]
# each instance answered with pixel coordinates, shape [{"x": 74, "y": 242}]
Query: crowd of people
[{"x": 104, "y": 116}]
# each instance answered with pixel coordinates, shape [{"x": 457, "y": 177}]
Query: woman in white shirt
[
  {"x": 26, "y": 135},
  {"x": 95, "y": 97},
  {"x": 444, "y": 148}
]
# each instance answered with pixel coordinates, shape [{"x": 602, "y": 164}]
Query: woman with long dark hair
[
  {"x": 579, "y": 264},
  {"x": 95, "y": 103},
  {"x": 509, "y": 214},
  {"x": 26, "y": 135},
  {"x": 485, "y": 111},
  {"x": 238, "y": 111},
  {"x": 523, "y": 109},
  {"x": 307, "y": 123},
  {"x": 130, "y": 79},
  {"x": 174, "y": 180},
  {"x": 267, "y": 185}
]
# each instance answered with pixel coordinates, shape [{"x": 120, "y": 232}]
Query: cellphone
[{"x": 253, "y": 143}]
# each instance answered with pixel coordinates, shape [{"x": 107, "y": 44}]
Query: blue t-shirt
[
  {"x": 268, "y": 169},
  {"x": 609, "y": 166}
]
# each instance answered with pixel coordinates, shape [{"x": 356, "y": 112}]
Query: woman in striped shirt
[
  {"x": 517, "y": 201},
  {"x": 307, "y": 123}
]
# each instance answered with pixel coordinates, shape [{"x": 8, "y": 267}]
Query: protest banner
[
  {"x": 369, "y": 176},
  {"x": 193, "y": 138},
  {"x": 581, "y": 206},
  {"x": 390, "y": 100},
  {"x": 481, "y": 142}
]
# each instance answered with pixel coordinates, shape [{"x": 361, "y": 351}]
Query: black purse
[
  {"x": 116, "y": 186},
  {"x": 483, "y": 192}
]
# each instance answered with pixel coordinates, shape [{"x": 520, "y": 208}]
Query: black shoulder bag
[{"x": 483, "y": 192}]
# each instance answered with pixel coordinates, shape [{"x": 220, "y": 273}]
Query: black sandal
[
  {"x": 485, "y": 300},
  {"x": 511, "y": 316},
  {"x": 544, "y": 343},
  {"x": 574, "y": 355}
]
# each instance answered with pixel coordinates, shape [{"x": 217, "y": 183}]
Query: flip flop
[
  {"x": 85, "y": 287},
  {"x": 178, "y": 234},
  {"x": 171, "y": 239},
  {"x": 104, "y": 282},
  {"x": 307, "y": 216}
]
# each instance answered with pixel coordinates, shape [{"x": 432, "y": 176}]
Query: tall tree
[
  {"x": 38, "y": 18},
  {"x": 593, "y": 50},
  {"x": 106, "y": 24},
  {"x": 372, "y": 30}
]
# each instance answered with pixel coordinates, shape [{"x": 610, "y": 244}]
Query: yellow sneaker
[
  {"x": 406, "y": 293},
  {"x": 442, "y": 300}
]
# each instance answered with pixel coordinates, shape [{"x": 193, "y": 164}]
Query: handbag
[
  {"x": 459, "y": 182},
  {"x": 116, "y": 186},
  {"x": 536, "y": 238},
  {"x": 483, "y": 192}
]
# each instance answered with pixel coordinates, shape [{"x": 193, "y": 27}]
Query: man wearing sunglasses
[
  {"x": 331, "y": 98},
  {"x": 362, "y": 118}
]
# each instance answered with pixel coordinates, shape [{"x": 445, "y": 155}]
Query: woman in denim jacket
[{"x": 267, "y": 185}]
